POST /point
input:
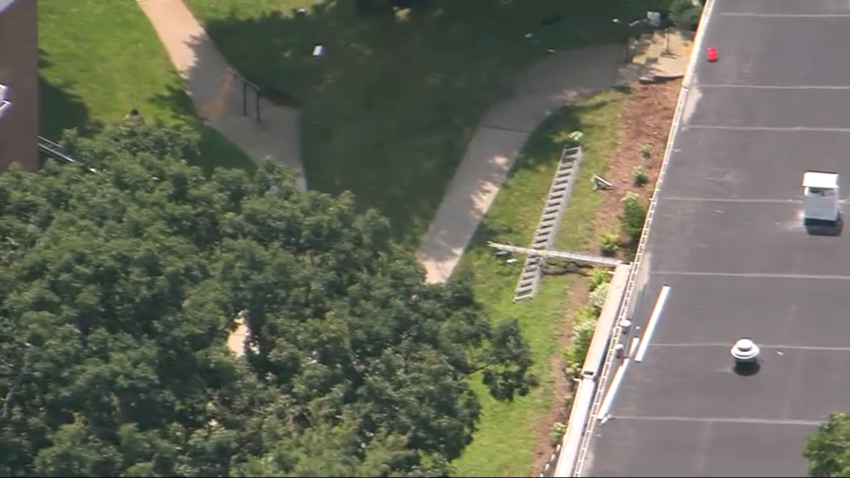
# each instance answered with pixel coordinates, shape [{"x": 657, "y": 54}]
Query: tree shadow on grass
[
  {"x": 59, "y": 109},
  {"x": 545, "y": 144},
  {"x": 390, "y": 106}
]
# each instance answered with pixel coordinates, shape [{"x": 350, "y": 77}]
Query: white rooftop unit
[{"x": 821, "y": 196}]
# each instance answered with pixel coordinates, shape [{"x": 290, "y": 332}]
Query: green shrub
[
  {"x": 632, "y": 216},
  {"x": 609, "y": 242},
  {"x": 557, "y": 433},
  {"x": 586, "y": 313},
  {"x": 684, "y": 13},
  {"x": 575, "y": 354},
  {"x": 598, "y": 277},
  {"x": 641, "y": 175},
  {"x": 597, "y": 298}
]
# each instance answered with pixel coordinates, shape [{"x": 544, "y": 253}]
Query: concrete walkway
[
  {"x": 217, "y": 95},
  {"x": 554, "y": 82}
]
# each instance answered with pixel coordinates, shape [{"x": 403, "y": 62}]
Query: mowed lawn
[
  {"x": 390, "y": 106},
  {"x": 98, "y": 59},
  {"x": 509, "y": 433}
]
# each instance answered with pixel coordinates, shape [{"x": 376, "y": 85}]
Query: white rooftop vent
[
  {"x": 745, "y": 350},
  {"x": 821, "y": 194}
]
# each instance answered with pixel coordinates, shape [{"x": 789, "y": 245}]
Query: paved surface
[
  {"x": 671, "y": 53},
  {"x": 236, "y": 340},
  {"x": 727, "y": 238},
  {"x": 217, "y": 98},
  {"x": 556, "y": 81}
]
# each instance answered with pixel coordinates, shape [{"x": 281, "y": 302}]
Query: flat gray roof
[{"x": 727, "y": 237}]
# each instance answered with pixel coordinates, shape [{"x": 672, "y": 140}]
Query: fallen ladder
[
  {"x": 547, "y": 227},
  {"x": 550, "y": 254}
]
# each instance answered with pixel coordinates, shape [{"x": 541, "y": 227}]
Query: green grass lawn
[
  {"x": 506, "y": 440},
  {"x": 98, "y": 59},
  {"x": 389, "y": 108}
]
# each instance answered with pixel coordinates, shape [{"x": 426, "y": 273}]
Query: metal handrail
[{"x": 56, "y": 151}]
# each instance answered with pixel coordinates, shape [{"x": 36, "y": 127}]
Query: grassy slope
[
  {"x": 506, "y": 440},
  {"x": 101, "y": 58},
  {"x": 388, "y": 110}
]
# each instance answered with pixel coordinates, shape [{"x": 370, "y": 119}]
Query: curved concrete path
[
  {"x": 209, "y": 81},
  {"x": 554, "y": 82}
]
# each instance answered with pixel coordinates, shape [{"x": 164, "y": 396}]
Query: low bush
[
  {"x": 632, "y": 216},
  {"x": 557, "y": 433},
  {"x": 641, "y": 175},
  {"x": 583, "y": 328},
  {"x": 597, "y": 298},
  {"x": 609, "y": 243},
  {"x": 598, "y": 277}
]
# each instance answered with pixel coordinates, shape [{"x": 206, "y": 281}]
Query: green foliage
[
  {"x": 598, "y": 277},
  {"x": 597, "y": 298},
  {"x": 826, "y": 450},
  {"x": 641, "y": 175},
  {"x": 583, "y": 329},
  {"x": 609, "y": 243},
  {"x": 119, "y": 289},
  {"x": 632, "y": 216},
  {"x": 685, "y": 13},
  {"x": 556, "y": 434}
]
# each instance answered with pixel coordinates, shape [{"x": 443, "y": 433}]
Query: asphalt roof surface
[{"x": 728, "y": 239}]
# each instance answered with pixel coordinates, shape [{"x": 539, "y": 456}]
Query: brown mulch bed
[{"x": 644, "y": 126}]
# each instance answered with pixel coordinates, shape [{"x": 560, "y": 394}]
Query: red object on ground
[{"x": 711, "y": 54}]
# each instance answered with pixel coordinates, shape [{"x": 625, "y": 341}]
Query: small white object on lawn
[{"x": 318, "y": 50}]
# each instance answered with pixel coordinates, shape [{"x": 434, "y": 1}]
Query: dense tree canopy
[
  {"x": 118, "y": 289},
  {"x": 686, "y": 13},
  {"x": 828, "y": 448}
]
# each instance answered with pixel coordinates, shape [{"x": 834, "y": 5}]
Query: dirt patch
[
  {"x": 562, "y": 388},
  {"x": 642, "y": 139},
  {"x": 644, "y": 126}
]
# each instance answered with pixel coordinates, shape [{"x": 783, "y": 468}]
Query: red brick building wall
[{"x": 19, "y": 73}]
